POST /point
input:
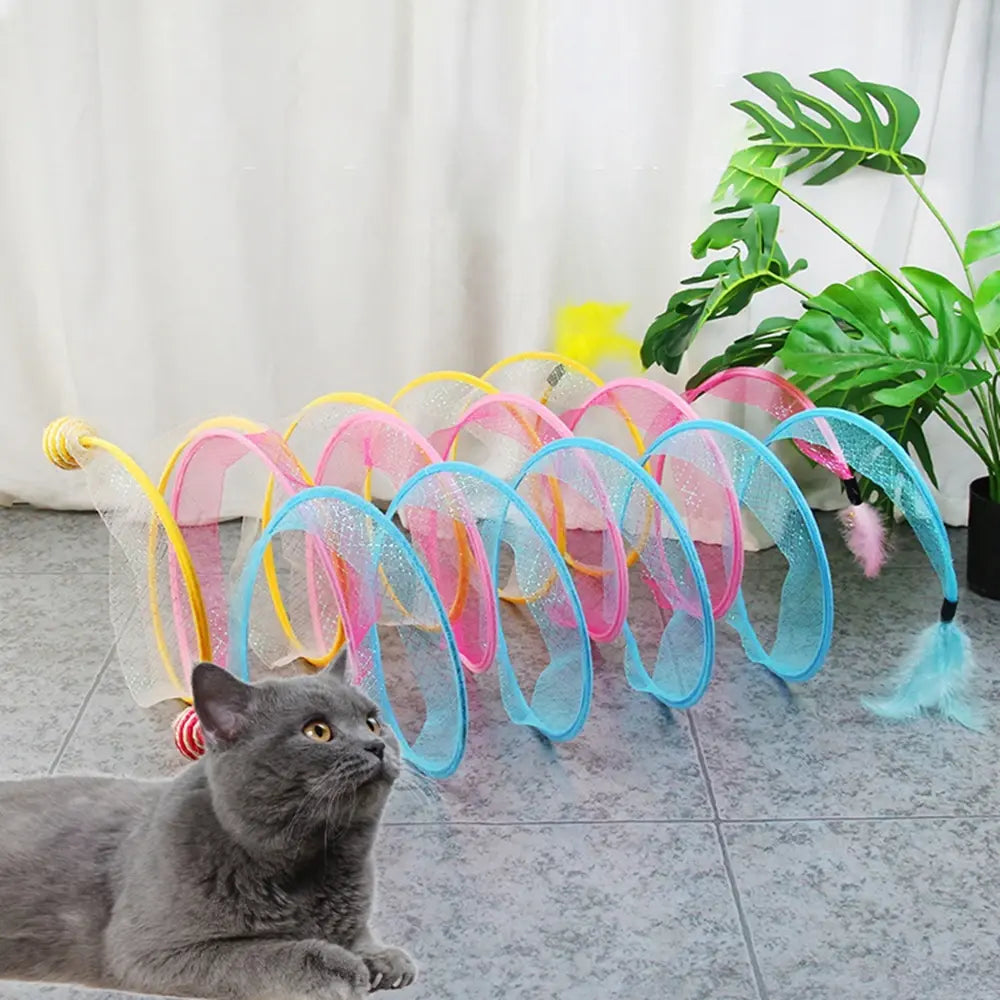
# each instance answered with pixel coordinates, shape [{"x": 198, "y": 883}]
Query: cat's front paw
[
  {"x": 390, "y": 969},
  {"x": 339, "y": 974}
]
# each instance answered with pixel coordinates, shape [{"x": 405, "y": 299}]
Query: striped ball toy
[{"x": 188, "y": 737}]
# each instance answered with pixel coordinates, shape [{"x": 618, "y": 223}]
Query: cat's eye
[
  {"x": 373, "y": 724},
  {"x": 318, "y": 730}
]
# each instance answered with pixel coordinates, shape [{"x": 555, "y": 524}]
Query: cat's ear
[
  {"x": 221, "y": 700},
  {"x": 337, "y": 667}
]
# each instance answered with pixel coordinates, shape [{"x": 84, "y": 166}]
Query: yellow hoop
[
  {"x": 463, "y": 574},
  {"x": 57, "y": 450},
  {"x": 473, "y": 381},
  {"x": 569, "y": 363},
  {"x": 245, "y": 426},
  {"x": 270, "y": 574}
]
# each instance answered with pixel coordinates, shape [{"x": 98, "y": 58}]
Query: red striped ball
[{"x": 188, "y": 737}]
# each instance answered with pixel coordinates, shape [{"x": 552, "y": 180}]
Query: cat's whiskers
[
  {"x": 413, "y": 782},
  {"x": 315, "y": 796},
  {"x": 323, "y": 799}
]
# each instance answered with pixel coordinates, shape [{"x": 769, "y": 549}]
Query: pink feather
[{"x": 864, "y": 533}]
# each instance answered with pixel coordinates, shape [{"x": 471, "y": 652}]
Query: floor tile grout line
[
  {"x": 501, "y": 823},
  {"x": 734, "y": 889},
  {"x": 758, "y": 975},
  {"x": 7, "y": 574},
  {"x": 71, "y": 732},
  {"x": 703, "y": 765},
  {"x": 881, "y": 818},
  {"x": 680, "y": 821}
]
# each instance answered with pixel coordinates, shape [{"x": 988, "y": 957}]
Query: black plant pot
[{"x": 983, "y": 569}]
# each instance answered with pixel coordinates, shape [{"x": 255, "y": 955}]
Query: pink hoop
[
  {"x": 278, "y": 460},
  {"x": 477, "y": 645},
  {"x": 738, "y": 385},
  {"x": 669, "y": 409},
  {"x": 541, "y": 424}
]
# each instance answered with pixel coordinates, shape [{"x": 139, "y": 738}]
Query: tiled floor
[{"x": 771, "y": 843}]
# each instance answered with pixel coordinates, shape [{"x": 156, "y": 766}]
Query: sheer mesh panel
[
  {"x": 555, "y": 384},
  {"x": 148, "y": 599},
  {"x": 402, "y": 647},
  {"x": 372, "y": 454},
  {"x": 195, "y": 495},
  {"x": 443, "y": 531},
  {"x": 872, "y": 454},
  {"x": 767, "y": 491},
  {"x": 309, "y": 431},
  {"x": 643, "y": 410},
  {"x": 570, "y": 498},
  {"x": 512, "y": 429},
  {"x": 376, "y": 453},
  {"x": 639, "y": 411},
  {"x": 779, "y": 399},
  {"x": 508, "y": 429},
  {"x": 548, "y": 685},
  {"x": 669, "y": 640},
  {"x": 434, "y": 404}
]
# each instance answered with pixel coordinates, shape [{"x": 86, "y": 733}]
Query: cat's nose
[{"x": 376, "y": 747}]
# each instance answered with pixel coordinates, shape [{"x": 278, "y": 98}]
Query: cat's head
[{"x": 291, "y": 762}]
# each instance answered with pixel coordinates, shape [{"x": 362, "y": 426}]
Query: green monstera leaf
[
  {"x": 868, "y": 328},
  {"x": 724, "y": 288},
  {"x": 751, "y": 176},
  {"x": 752, "y": 351},
  {"x": 987, "y": 303},
  {"x": 904, "y": 423},
  {"x": 867, "y": 126},
  {"x": 813, "y": 133},
  {"x": 863, "y": 346},
  {"x": 982, "y": 243}
]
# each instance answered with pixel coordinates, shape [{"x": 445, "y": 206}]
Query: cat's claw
[{"x": 391, "y": 969}]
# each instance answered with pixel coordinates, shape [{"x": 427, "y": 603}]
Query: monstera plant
[{"x": 895, "y": 345}]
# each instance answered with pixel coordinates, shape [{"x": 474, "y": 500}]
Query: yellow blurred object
[{"x": 589, "y": 333}]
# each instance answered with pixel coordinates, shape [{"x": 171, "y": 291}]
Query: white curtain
[{"x": 212, "y": 206}]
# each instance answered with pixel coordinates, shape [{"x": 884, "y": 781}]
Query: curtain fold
[{"x": 211, "y": 206}]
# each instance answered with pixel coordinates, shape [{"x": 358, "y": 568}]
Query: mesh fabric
[
  {"x": 402, "y": 649},
  {"x": 628, "y": 512},
  {"x": 779, "y": 399},
  {"x": 768, "y": 493},
  {"x": 547, "y": 685},
  {"x": 557, "y": 383},
  {"x": 873, "y": 454}
]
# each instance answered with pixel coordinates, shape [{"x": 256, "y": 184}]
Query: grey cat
[{"x": 249, "y": 876}]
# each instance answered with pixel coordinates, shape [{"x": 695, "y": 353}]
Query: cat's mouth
[{"x": 383, "y": 772}]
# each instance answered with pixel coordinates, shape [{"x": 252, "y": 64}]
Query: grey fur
[{"x": 249, "y": 876}]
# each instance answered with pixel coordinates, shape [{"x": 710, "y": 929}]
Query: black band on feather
[
  {"x": 948, "y": 609},
  {"x": 853, "y": 491}
]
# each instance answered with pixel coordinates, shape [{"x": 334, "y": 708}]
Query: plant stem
[
  {"x": 795, "y": 288},
  {"x": 986, "y": 399},
  {"x": 953, "y": 239},
  {"x": 932, "y": 208},
  {"x": 973, "y": 438},
  {"x": 878, "y": 265},
  {"x": 974, "y": 444},
  {"x": 987, "y": 409}
]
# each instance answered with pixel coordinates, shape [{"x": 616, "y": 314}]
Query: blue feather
[{"x": 935, "y": 677}]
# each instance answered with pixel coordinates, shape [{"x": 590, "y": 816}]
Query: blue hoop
[
  {"x": 639, "y": 678},
  {"x": 811, "y": 573},
  {"x": 436, "y": 730},
  {"x": 546, "y": 710}
]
